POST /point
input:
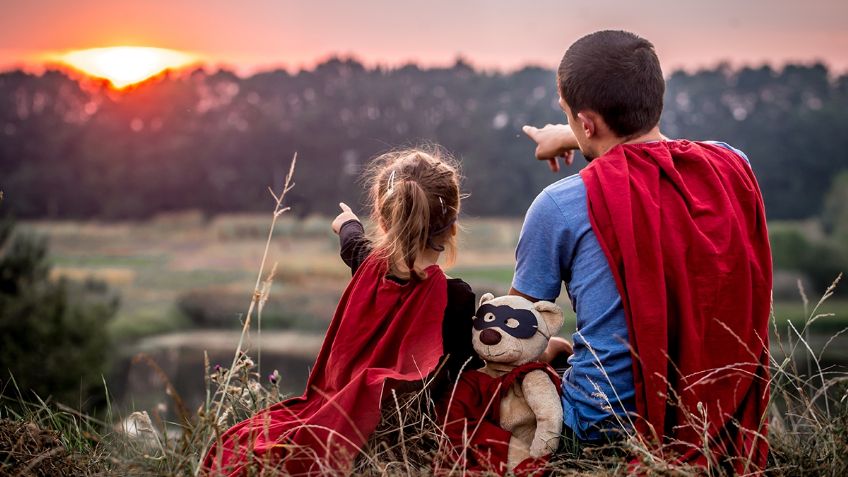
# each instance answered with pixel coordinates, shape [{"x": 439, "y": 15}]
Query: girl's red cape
[{"x": 384, "y": 334}]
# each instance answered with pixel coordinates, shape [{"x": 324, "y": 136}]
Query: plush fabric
[
  {"x": 384, "y": 334},
  {"x": 683, "y": 228}
]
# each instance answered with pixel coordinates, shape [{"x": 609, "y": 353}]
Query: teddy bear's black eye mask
[{"x": 518, "y": 323}]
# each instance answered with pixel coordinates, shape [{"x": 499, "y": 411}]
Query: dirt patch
[{"x": 29, "y": 450}]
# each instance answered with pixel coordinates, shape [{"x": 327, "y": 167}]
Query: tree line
[{"x": 214, "y": 141}]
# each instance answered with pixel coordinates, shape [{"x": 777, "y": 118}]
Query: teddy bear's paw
[{"x": 542, "y": 447}]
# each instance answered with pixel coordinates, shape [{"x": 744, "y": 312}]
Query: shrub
[
  {"x": 820, "y": 260},
  {"x": 835, "y": 213},
  {"x": 53, "y": 338}
]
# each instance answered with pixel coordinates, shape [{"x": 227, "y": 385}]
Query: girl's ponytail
[{"x": 410, "y": 226}]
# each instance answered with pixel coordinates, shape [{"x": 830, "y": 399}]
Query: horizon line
[{"x": 212, "y": 67}]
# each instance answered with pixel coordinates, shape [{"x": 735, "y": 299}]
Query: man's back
[{"x": 557, "y": 245}]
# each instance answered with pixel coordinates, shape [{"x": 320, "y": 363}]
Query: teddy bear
[{"x": 507, "y": 415}]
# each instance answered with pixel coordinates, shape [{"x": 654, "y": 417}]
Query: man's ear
[
  {"x": 552, "y": 314},
  {"x": 486, "y": 297},
  {"x": 588, "y": 123}
]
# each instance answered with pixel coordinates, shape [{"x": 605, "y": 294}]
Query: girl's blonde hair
[{"x": 415, "y": 197}]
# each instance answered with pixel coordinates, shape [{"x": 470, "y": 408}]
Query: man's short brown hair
[{"x": 616, "y": 74}]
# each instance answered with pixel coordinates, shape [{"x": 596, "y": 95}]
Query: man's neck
[{"x": 650, "y": 136}]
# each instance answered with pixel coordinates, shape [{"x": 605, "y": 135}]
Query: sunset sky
[{"x": 250, "y": 35}]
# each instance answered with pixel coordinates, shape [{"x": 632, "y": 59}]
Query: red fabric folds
[
  {"x": 384, "y": 334},
  {"x": 683, "y": 227},
  {"x": 471, "y": 419}
]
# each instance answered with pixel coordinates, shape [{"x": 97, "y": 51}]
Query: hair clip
[
  {"x": 391, "y": 187},
  {"x": 444, "y": 209}
]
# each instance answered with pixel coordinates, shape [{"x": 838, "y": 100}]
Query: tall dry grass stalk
[{"x": 258, "y": 299}]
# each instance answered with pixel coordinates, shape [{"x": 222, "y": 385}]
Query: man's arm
[
  {"x": 513, "y": 291},
  {"x": 543, "y": 248},
  {"x": 552, "y": 142}
]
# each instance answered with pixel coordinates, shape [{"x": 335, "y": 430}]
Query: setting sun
[{"x": 125, "y": 65}]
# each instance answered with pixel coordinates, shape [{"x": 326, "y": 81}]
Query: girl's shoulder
[
  {"x": 459, "y": 290},
  {"x": 458, "y": 283}
]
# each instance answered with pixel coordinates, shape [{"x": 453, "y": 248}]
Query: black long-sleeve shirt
[{"x": 459, "y": 312}]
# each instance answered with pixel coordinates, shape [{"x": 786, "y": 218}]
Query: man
[{"x": 662, "y": 245}]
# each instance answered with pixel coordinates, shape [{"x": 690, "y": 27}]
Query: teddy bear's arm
[{"x": 543, "y": 398}]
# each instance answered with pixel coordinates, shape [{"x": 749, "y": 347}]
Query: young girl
[{"x": 398, "y": 320}]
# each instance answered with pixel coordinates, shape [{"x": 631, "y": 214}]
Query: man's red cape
[
  {"x": 383, "y": 334},
  {"x": 683, "y": 227},
  {"x": 471, "y": 420}
]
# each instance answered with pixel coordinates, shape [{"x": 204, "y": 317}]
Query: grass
[
  {"x": 808, "y": 428},
  {"x": 834, "y": 309},
  {"x": 497, "y": 274},
  {"x": 45, "y": 439},
  {"x": 809, "y": 413},
  {"x": 808, "y": 416},
  {"x": 149, "y": 319}
]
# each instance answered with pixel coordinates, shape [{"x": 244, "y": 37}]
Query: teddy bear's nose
[{"x": 490, "y": 337}]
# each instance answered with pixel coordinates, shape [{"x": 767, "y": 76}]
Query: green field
[
  {"x": 167, "y": 268},
  {"x": 174, "y": 271}
]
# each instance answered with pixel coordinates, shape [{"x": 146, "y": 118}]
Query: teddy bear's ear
[
  {"x": 486, "y": 297},
  {"x": 552, "y": 314}
]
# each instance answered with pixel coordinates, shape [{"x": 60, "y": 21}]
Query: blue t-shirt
[{"x": 557, "y": 245}]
